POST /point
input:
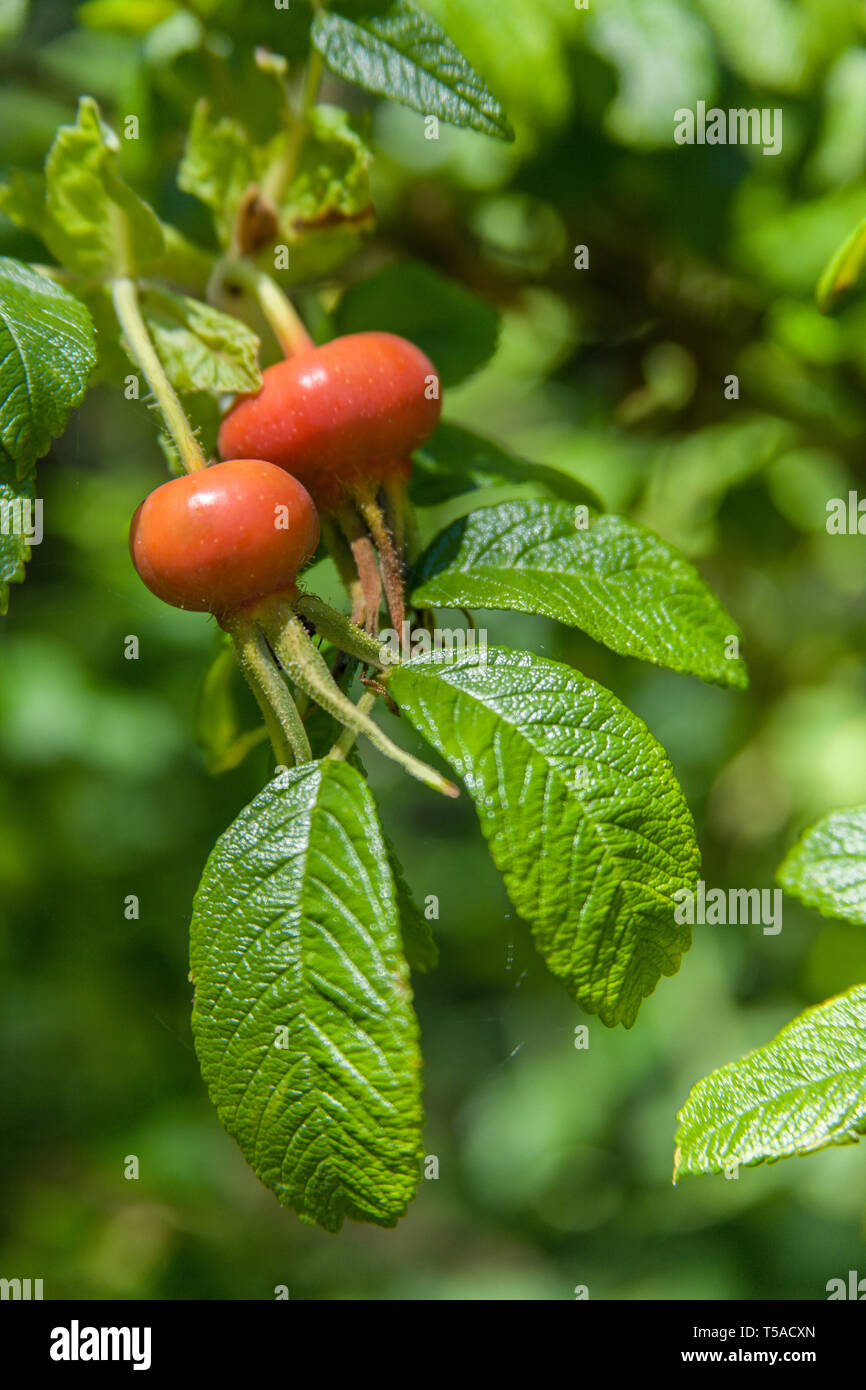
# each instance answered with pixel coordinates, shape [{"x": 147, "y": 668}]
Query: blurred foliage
[{"x": 554, "y": 1163}]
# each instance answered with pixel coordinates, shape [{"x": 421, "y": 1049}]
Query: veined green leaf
[
  {"x": 47, "y": 353},
  {"x": 422, "y": 953},
  {"x": 201, "y": 348},
  {"x": 456, "y": 328},
  {"x": 403, "y": 54},
  {"x": 302, "y": 1019},
  {"x": 845, "y": 271},
  {"x": 580, "y": 806},
  {"x": 827, "y": 867},
  {"x": 611, "y": 578},
  {"x": 804, "y": 1091},
  {"x": 89, "y": 219},
  {"x": 455, "y": 461}
]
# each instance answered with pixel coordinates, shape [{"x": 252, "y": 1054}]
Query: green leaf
[
  {"x": 295, "y": 927},
  {"x": 455, "y": 461},
  {"x": 456, "y": 329},
  {"x": 47, "y": 352},
  {"x": 804, "y": 1091},
  {"x": 218, "y": 166},
  {"x": 321, "y": 214},
  {"x": 201, "y": 348},
  {"x": 403, "y": 54},
  {"x": 91, "y": 221},
  {"x": 422, "y": 953},
  {"x": 327, "y": 209},
  {"x": 581, "y": 809},
  {"x": 614, "y": 580},
  {"x": 827, "y": 867},
  {"x": 845, "y": 272},
  {"x": 16, "y": 504}
]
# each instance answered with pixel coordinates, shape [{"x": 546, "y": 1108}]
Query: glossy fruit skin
[
  {"x": 350, "y": 410},
  {"x": 210, "y": 542}
]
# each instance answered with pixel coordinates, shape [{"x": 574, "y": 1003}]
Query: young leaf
[
  {"x": 89, "y": 219},
  {"x": 584, "y": 816},
  {"x": 456, "y": 329},
  {"x": 16, "y": 503},
  {"x": 303, "y": 1021},
  {"x": 827, "y": 867},
  {"x": 321, "y": 213},
  {"x": 201, "y": 348},
  {"x": 613, "y": 579},
  {"x": 218, "y": 166},
  {"x": 804, "y": 1091},
  {"x": 455, "y": 461},
  {"x": 47, "y": 352},
  {"x": 403, "y": 54},
  {"x": 327, "y": 209},
  {"x": 845, "y": 272}
]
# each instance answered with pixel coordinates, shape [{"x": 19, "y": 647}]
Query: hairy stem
[
  {"x": 340, "y": 552},
  {"x": 339, "y": 631},
  {"x": 124, "y": 294},
  {"x": 345, "y": 742},
  {"x": 269, "y": 688},
  {"x": 367, "y": 566},
  {"x": 389, "y": 559},
  {"x": 307, "y": 669}
]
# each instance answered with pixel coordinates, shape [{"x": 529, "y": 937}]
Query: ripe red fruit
[
  {"x": 347, "y": 412},
  {"x": 215, "y": 540}
]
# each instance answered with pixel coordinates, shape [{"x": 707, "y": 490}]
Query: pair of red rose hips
[{"x": 329, "y": 428}]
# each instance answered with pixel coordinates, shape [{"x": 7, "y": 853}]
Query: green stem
[
  {"x": 124, "y": 293},
  {"x": 283, "y": 755},
  {"x": 341, "y": 554},
  {"x": 269, "y": 687},
  {"x": 340, "y": 632},
  {"x": 280, "y": 314},
  {"x": 345, "y": 742},
  {"x": 306, "y": 668}
]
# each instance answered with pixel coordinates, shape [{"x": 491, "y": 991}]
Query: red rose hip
[
  {"x": 350, "y": 411},
  {"x": 344, "y": 418},
  {"x": 220, "y": 538}
]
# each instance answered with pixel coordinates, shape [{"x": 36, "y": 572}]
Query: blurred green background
[{"x": 554, "y": 1163}]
